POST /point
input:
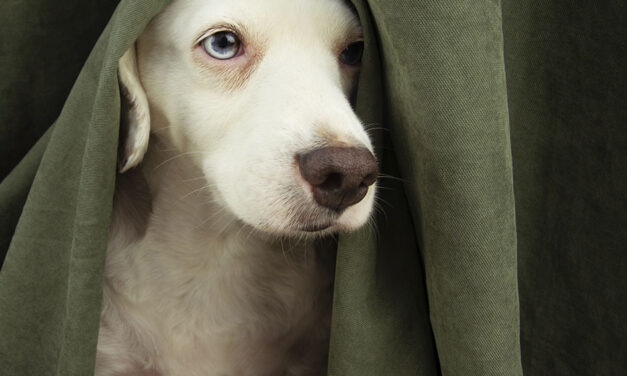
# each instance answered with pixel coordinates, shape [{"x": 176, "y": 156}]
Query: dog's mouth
[
  {"x": 314, "y": 219},
  {"x": 316, "y": 227}
]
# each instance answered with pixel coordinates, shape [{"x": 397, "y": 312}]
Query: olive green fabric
[
  {"x": 500, "y": 130},
  {"x": 444, "y": 103},
  {"x": 50, "y": 282}
]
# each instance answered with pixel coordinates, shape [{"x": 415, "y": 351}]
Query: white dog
[{"x": 215, "y": 264}]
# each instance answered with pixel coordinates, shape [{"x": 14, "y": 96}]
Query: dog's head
[{"x": 257, "y": 93}]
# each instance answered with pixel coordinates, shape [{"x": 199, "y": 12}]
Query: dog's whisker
[
  {"x": 213, "y": 215},
  {"x": 286, "y": 254},
  {"x": 380, "y": 214},
  {"x": 194, "y": 179},
  {"x": 374, "y": 228},
  {"x": 163, "y": 148},
  {"x": 177, "y": 157},
  {"x": 387, "y": 176},
  {"x": 203, "y": 188},
  {"x": 372, "y": 130},
  {"x": 163, "y": 128},
  {"x": 384, "y": 188},
  {"x": 381, "y": 200}
]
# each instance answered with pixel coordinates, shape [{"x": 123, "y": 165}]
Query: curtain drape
[{"x": 499, "y": 239}]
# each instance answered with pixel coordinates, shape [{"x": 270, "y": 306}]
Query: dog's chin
[
  {"x": 305, "y": 231},
  {"x": 326, "y": 223},
  {"x": 297, "y": 229},
  {"x": 313, "y": 230},
  {"x": 301, "y": 218}
]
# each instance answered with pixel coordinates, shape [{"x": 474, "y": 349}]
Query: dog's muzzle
[{"x": 339, "y": 176}]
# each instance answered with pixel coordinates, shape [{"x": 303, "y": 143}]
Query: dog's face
[{"x": 256, "y": 92}]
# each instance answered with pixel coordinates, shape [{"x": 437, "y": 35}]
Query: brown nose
[{"x": 340, "y": 176}]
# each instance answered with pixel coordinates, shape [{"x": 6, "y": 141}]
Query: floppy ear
[{"x": 135, "y": 118}]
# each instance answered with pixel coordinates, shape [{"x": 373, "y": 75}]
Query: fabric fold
[
  {"x": 50, "y": 283},
  {"x": 446, "y": 109}
]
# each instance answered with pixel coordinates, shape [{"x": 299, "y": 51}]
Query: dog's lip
[{"x": 316, "y": 227}]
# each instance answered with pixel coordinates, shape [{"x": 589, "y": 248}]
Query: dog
[{"x": 220, "y": 254}]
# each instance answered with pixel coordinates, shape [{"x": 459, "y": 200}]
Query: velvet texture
[{"x": 500, "y": 131}]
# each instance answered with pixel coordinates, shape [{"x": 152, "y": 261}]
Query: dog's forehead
[{"x": 323, "y": 20}]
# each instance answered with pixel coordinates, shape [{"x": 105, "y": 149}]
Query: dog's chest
[
  {"x": 196, "y": 303},
  {"x": 252, "y": 316}
]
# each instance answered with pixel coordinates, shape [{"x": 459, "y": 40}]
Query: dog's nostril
[
  {"x": 339, "y": 176},
  {"x": 333, "y": 181},
  {"x": 369, "y": 179}
]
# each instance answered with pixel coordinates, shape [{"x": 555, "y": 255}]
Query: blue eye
[{"x": 222, "y": 45}]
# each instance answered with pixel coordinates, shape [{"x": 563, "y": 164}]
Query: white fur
[{"x": 208, "y": 271}]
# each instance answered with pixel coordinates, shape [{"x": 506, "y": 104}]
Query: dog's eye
[
  {"x": 222, "y": 45},
  {"x": 352, "y": 53}
]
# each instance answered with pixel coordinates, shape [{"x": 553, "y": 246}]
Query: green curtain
[{"x": 500, "y": 231}]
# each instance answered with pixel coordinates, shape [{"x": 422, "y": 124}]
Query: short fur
[{"x": 209, "y": 270}]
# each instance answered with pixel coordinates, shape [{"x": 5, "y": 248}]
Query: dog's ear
[{"x": 135, "y": 117}]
